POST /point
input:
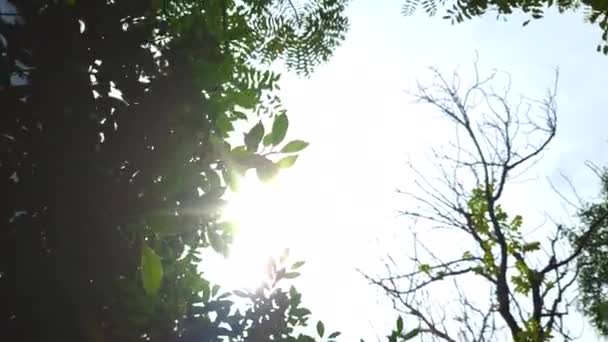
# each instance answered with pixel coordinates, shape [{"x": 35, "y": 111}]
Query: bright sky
[{"x": 340, "y": 197}]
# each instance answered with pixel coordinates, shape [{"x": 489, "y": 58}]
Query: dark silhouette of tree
[
  {"x": 527, "y": 281},
  {"x": 114, "y": 162}
]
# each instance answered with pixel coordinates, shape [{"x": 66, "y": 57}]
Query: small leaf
[
  {"x": 267, "y": 141},
  {"x": 214, "y": 290},
  {"x": 297, "y": 265},
  {"x": 284, "y": 255},
  {"x": 320, "y": 328},
  {"x": 399, "y": 325},
  {"x": 410, "y": 335},
  {"x": 239, "y": 115},
  {"x": 532, "y": 246},
  {"x": 151, "y": 270},
  {"x": 334, "y": 334},
  {"x": 279, "y": 129},
  {"x": 291, "y": 275},
  {"x": 253, "y": 138},
  {"x": 294, "y": 146},
  {"x": 301, "y": 312},
  {"x": 287, "y": 162},
  {"x": 526, "y": 23}
]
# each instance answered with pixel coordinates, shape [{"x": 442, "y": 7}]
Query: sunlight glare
[{"x": 266, "y": 219}]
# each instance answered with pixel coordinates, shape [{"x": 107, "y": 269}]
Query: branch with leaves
[{"x": 496, "y": 140}]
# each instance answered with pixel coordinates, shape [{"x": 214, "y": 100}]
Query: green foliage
[
  {"x": 121, "y": 197},
  {"x": 399, "y": 335},
  {"x": 478, "y": 206},
  {"x": 593, "y": 262},
  {"x": 595, "y": 11},
  {"x": 425, "y": 268}
]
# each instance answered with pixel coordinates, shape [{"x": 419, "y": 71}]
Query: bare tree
[{"x": 527, "y": 281}]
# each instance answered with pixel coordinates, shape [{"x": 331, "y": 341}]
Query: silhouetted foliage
[
  {"x": 114, "y": 162},
  {"x": 596, "y": 11}
]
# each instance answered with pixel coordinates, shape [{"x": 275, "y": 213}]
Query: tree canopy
[{"x": 118, "y": 146}]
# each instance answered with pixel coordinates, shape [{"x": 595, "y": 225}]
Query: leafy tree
[
  {"x": 596, "y": 11},
  {"x": 115, "y": 156},
  {"x": 527, "y": 281},
  {"x": 592, "y": 262}
]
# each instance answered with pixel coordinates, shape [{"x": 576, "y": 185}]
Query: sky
[{"x": 362, "y": 127}]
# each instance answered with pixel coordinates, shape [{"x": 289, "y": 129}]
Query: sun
[{"x": 266, "y": 217}]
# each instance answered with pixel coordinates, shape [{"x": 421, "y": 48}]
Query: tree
[
  {"x": 592, "y": 262},
  {"x": 596, "y": 11},
  {"x": 511, "y": 281},
  {"x": 115, "y": 158}
]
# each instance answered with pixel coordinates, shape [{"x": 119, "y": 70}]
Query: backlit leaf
[
  {"x": 279, "y": 129},
  {"x": 287, "y": 162},
  {"x": 294, "y": 146},
  {"x": 254, "y": 137},
  {"x": 151, "y": 270}
]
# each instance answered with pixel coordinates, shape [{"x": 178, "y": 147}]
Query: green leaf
[
  {"x": 334, "y": 334},
  {"x": 294, "y": 146},
  {"x": 320, "y": 328},
  {"x": 467, "y": 255},
  {"x": 410, "y": 335},
  {"x": 254, "y": 137},
  {"x": 279, "y": 129},
  {"x": 297, "y": 265},
  {"x": 532, "y": 246},
  {"x": 291, "y": 275},
  {"x": 517, "y": 222},
  {"x": 399, "y": 325},
  {"x": 301, "y": 312},
  {"x": 287, "y": 162},
  {"x": 267, "y": 141},
  {"x": 425, "y": 268},
  {"x": 151, "y": 269}
]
